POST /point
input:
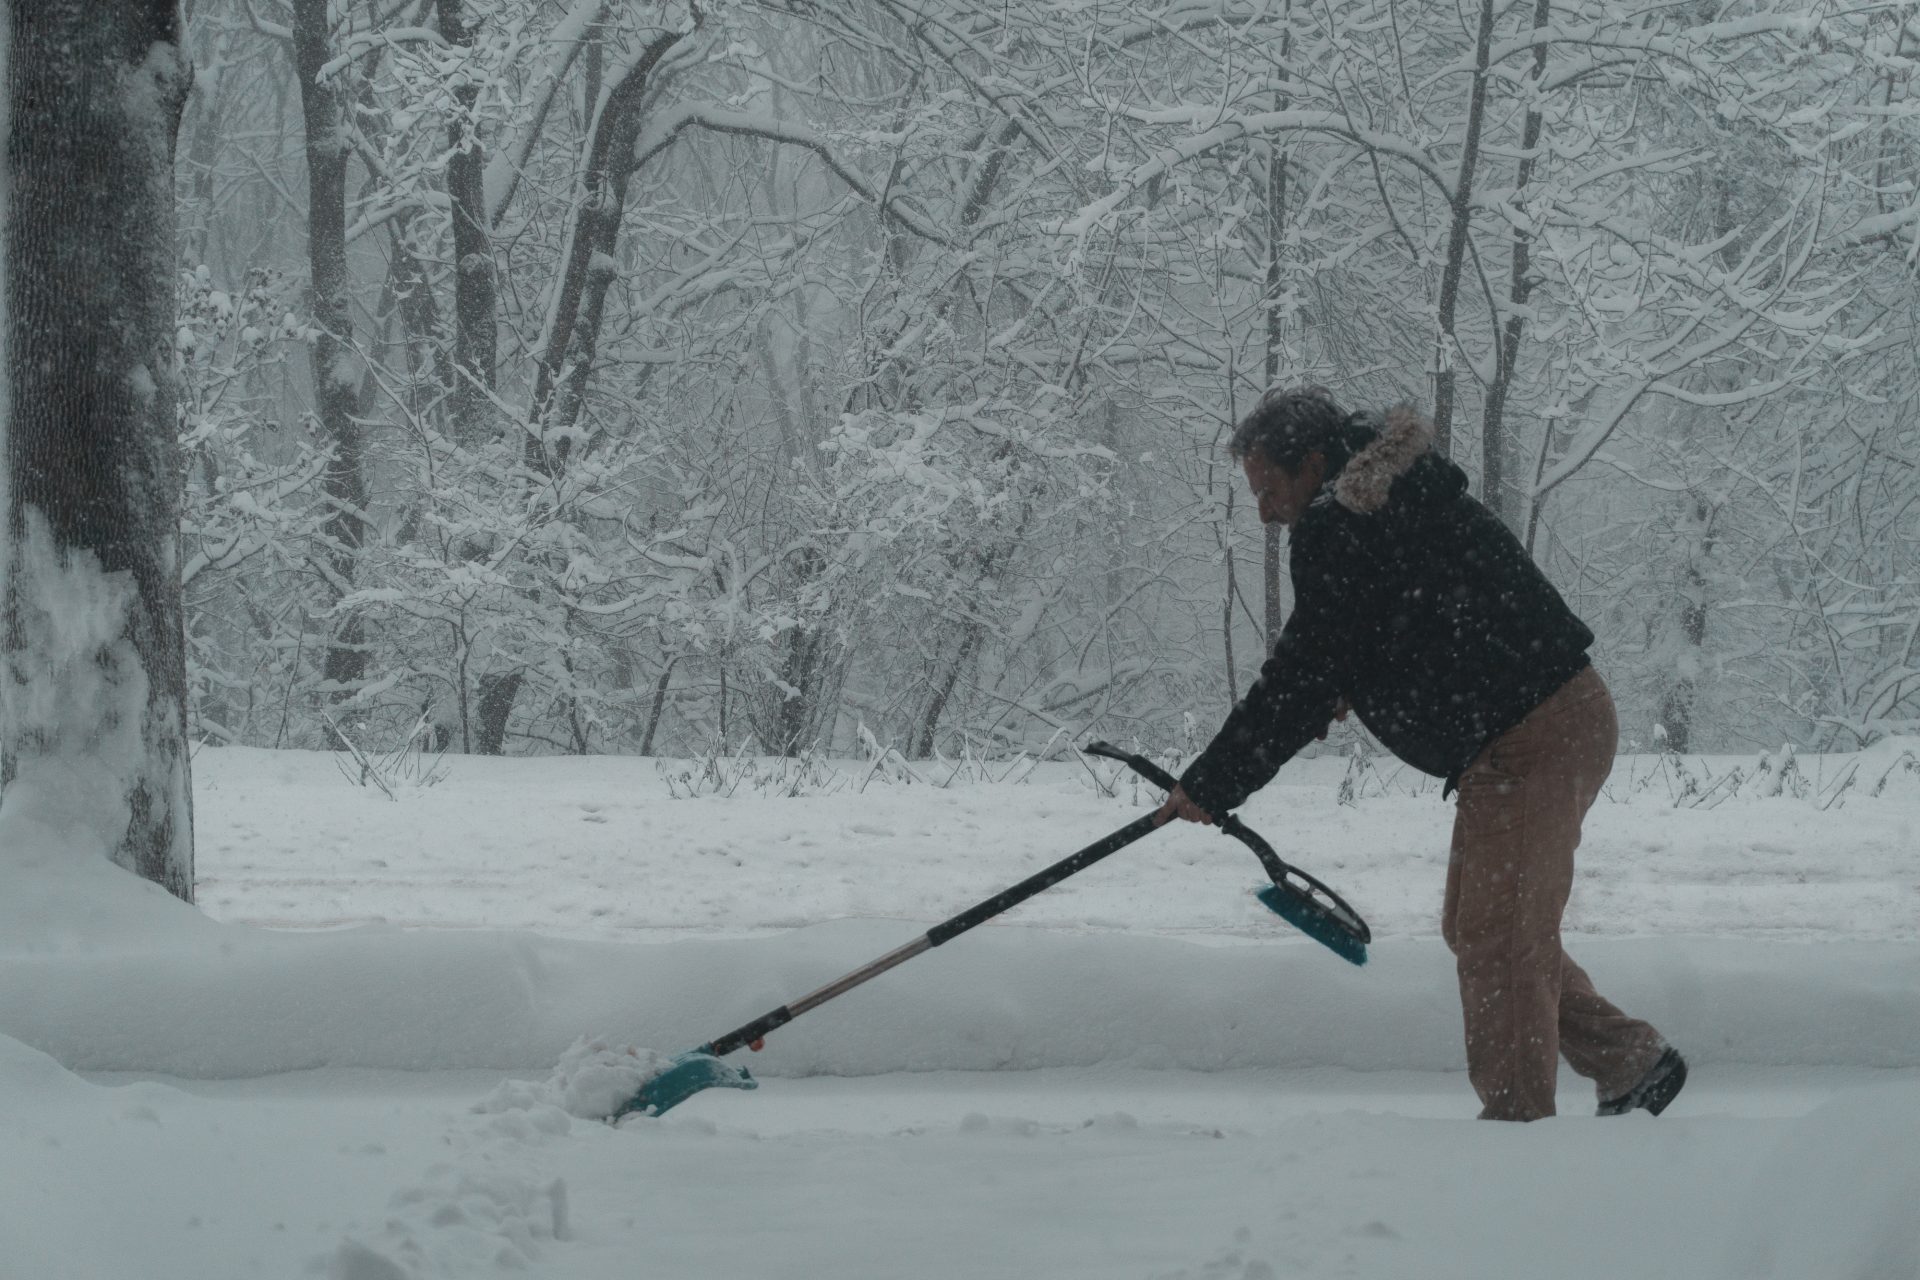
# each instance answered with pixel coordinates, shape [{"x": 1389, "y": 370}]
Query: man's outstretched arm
[
  {"x": 1296, "y": 697},
  {"x": 1180, "y": 805}
]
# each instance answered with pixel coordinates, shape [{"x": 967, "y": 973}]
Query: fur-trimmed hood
[{"x": 1364, "y": 483}]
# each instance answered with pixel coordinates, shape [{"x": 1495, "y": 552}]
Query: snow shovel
[{"x": 1295, "y": 896}]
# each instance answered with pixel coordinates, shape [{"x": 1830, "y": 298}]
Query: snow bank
[
  {"x": 219, "y": 1002},
  {"x": 27, "y": 1074}
]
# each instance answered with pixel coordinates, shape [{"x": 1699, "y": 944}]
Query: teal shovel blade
[{"x": 686, "y": 1075}]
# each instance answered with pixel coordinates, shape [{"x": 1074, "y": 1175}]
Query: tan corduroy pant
[{"x": 1525, "y": 1001}]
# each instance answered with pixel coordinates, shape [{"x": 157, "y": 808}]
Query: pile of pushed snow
[
  {"x": 591, "y": 1081},
  {"x": 459, "y": 1221}
]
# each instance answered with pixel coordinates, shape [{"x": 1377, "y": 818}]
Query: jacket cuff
[{"x": 1213, "y": 793}]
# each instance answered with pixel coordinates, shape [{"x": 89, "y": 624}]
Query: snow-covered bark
[{"x": 92, "y": 709}]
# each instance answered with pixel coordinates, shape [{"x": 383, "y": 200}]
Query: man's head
[
  {"x": 1283, "y": 495},
  {"x": 1292, "y": 442}
]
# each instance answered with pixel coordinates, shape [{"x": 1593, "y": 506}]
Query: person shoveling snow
[{"x": 1419, "y": 609}]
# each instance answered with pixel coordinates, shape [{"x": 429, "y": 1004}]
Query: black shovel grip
[
  {"x": 1288, "y": 877},
  {"x": 1229, "y": 825}
]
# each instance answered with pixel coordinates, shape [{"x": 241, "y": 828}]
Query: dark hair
[{"x": 1291, "y": 422}]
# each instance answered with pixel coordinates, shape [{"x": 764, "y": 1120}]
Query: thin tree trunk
[
  {"x": 1444, "y": 342},
  {"x": 573, "y": 327},
  {"x": 474, "y": 302},
  {"x": 93, "y": 706},
  {"x": 930, "y": 723},
  {"x": 202, "y": 153},
  {"x": 1276, "y": 229},
  {"x": 1493, "y": 470},
  {"x": 1677, "y": 702},
  {"x": 986, "y": 565},
  {"x": 412, "y": 295},
  {"x": 800, "y": 672},
  {"x": 1226, "y": 605},
  {"x": 659, "y": 704},
  {"x": 596, "y": 227},
  {"x": 333, "y": 362},
  {"x": 578, "y": 726}
]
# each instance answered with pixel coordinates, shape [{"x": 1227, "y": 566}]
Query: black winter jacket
[{"x": 1413, "y": 602}]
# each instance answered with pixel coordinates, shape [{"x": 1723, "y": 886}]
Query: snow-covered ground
[{"x": 1138, "y": 1074}]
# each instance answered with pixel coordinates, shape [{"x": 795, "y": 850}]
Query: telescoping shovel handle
[
  {"x": 946, "y": 931},
  {"x": 1295, "y": 896}
]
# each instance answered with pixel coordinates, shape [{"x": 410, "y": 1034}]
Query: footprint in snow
[
  {"x": 980, "y": 1122},
  {"x": 1374, "y": 1230},
  {"x": 1233, "y": 1265}
]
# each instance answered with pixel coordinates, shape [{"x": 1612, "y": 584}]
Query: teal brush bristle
[{"x": 1314, "y": 920}]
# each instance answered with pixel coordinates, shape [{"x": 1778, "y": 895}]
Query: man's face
[{"x": 1283, "y": 495}]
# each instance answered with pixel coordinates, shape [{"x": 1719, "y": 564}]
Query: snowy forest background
[{"x": 634, "y": 377}]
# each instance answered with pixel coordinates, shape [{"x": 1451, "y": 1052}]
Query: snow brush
[{"x": 1295, "y": 896}]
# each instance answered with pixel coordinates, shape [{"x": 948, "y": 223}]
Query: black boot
[{"x": 1655, "y": 1090}]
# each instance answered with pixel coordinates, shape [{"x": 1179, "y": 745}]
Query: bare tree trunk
[
  {"x": 986, "y": 567},
  {"x": 930, "y": 723},
  {"x": 573, "y": 326},
  {"x": 1493, "y": 468},
  {"x": 93, "y": 706},
  {"x": 1226, "y": 605},
  {"x": 578, "y": 726},
  {"x": 497, "y": 693},
  {"x": 203, "y": 151},
  {"x": 800, "y": 672},
  {"x": 1276, "y": 231},
  {"x": 412, "y": 295},
  {"x": 573, "y": 330},
  {"x": 1443, "y": 375},
  {"x": 474, "y": 302},
  {"x": 335, "y": 376},
  {"x": 1677, "y": 702},
  {"x": 659, "y": 705}
]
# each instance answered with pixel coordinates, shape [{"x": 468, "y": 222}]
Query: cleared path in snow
[{"x": 1056, "y": 1175}]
